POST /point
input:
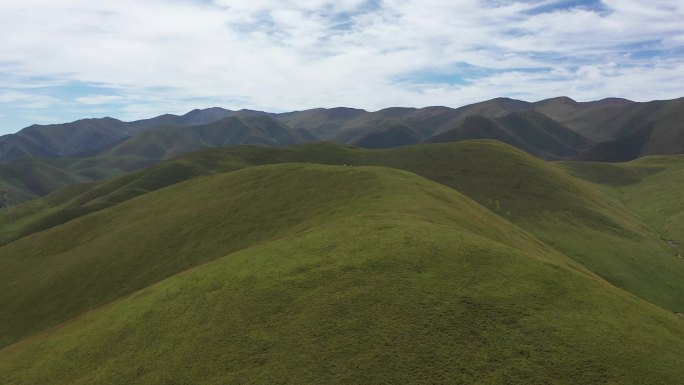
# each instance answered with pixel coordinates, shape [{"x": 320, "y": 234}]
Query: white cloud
[
  {"x": 27, "y": 100},
  {"x": 285, "y": 54},
  {"x": 92, "y": 100}
]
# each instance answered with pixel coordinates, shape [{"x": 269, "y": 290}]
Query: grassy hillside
[
  {"x": 26, "y": 180},
  {"x": 650, "y": 186},
  {"x": 573, "y": 216},
  {"x": 56, "y": 274},
  {"x": 432, "y": 289},
  {"x": 23, "y": 180}
]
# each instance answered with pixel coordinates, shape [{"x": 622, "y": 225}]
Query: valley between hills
[{"x": 500, "y": 242}]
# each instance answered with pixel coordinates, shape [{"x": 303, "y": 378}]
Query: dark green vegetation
[
  {"x": 560, "y": 128},
  {"x": 576, "y": 218},
  {"x": 651, "y": 187},
  {"x": 423, "y": 257},
  {"x": 26, "y": 179},
  {"x": 318, "y": 274},
  {"x": 624, "y": 130},
  {"x": 323, "y": 263},
  {"x": 530, "y": 131}
]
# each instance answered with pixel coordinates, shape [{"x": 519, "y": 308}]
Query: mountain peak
[{"x": 558, "y": 100}]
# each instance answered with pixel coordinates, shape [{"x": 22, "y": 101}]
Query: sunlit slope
[
  {"x": 54, "y": 275},
  {"x": 356, "y": 275},
  {"x": 652, "y": 186},
  {"x": 660, "y": 197},
  {"x": 572, "y": 215}
]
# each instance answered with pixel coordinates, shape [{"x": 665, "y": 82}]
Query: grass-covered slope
[
  {"x": 27, "y": 179},
  {"x": 56, "y": 274},
  {"x": 328, "y": 275},
  {"x": 572, "y": 215},
  {"x": 650, "y": 186},
  {"x": 659, "y": 196}
]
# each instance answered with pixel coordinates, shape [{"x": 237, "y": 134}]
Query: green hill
[
  {"x": 571, "y": 215},
  {"x": 650, "y": 186},
  {"x": 59, "y": 273},
  {"x": 320, "y": 274},
  {"x": 27, "y": 179}
]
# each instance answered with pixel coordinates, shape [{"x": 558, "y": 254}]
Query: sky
[{"x": 131, "y": 59}]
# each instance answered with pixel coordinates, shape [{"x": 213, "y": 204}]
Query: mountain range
[{"x": 42, "y": 158}]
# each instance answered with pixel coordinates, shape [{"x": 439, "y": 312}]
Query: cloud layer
[{"x": 136, "y": 58}]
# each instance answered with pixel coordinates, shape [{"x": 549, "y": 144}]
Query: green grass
[
  {"x": 580, "y": 219},
  {"x": 320, "y": 274},
  {"x": 27, "y": 179},
  {"x": 651, "y": 186},
  {"x": 57, "y": 274}
]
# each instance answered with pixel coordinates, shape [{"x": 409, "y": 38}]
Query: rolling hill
[
  {"x": 650, "y": 186},
  {"x": 302, "y": 273},
  {"x": 573, "y": 216},
  {"x": 608, "y": 130}
]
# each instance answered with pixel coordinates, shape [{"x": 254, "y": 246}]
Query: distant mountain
[
  {"x": 350, "y": 126},
  {"x": 90, "y": 137},
  {"x": 581, "y": 116},
  {"x": 193, "y": 118},
  {"x": 167, "y": 142},
  {"x": 604, "y": 130},
  {"x": 624, "y": 130},
  {"x": 609, "y": 130},
  {"x": 387, "y": 133},
  {"x": 530, "y": 131},
  {"x": 320, "y": 122},
  {"x": 81, "y": 138}
]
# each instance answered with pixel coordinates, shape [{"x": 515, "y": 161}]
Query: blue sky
[{"x": 131, "y": 59}]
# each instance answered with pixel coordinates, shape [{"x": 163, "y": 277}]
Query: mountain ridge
[{"x": 560, "y": 128}]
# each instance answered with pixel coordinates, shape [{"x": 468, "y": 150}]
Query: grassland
[
  {"x": 583, "y": 220},
  {"x": 651, "y": 187},
  {"x": 317, "y": 274}
]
